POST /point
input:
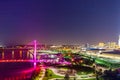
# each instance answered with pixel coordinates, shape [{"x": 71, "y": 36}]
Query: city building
[
  {"x": 101, "y": 45},
  {"x": 119, "y": 41}
]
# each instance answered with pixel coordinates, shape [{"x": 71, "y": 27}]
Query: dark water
[{"x": 16, "y": 71}]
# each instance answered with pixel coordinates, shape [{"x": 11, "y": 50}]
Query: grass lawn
[
  {"x": 88, "y": 79},
  {"x": 84, "y": 73},
  {"x": 50, "y": 74}
]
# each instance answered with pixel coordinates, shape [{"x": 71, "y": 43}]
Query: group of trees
[
  {"x": 110, "y": 75},
  {"x": 66, "y": 76}
]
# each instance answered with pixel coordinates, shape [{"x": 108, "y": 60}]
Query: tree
[{"x": 66, "y": 76}]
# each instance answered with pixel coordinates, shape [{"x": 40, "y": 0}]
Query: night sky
[{"x": 59, "y": 21}]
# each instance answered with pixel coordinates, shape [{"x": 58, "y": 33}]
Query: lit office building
[
  {"x": 119, "y": 41},
  {"x": 101, "y": 45}
]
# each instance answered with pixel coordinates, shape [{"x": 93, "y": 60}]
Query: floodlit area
[
  {"x": 62, "y": 66},
  {"x": 59, "y": 39}
]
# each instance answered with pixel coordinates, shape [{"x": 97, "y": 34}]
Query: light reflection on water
[{"x": 16, "y": 71}]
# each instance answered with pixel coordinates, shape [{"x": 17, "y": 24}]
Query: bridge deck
[{"x": 18, "y": 61}]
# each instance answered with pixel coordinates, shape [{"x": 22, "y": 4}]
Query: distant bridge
[
  {"x": 15, "y": 54},
  {"x": 18, "y": 54}
]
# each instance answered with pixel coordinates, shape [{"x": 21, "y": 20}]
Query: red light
[
  {"x": 81, "y": 61},
  {"x": 72, "y": 59}
]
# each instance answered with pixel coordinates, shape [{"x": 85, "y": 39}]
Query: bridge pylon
[{"x": 35, "y": 50}]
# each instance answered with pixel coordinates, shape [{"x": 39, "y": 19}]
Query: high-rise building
[
  {"x": 101, "y": 45},
  {"x": 119, "y": 41},
  {"x": 111, "y": 45}
]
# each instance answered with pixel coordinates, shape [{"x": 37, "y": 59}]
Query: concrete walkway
[
  {"x": 78, "y": 77},
  {"x": 43, "y": 74}
]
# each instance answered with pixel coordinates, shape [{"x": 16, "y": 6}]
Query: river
[{"x": 16, "y": 71}]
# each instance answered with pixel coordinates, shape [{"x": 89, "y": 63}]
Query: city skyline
[{"x": 59, "y": 22}]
